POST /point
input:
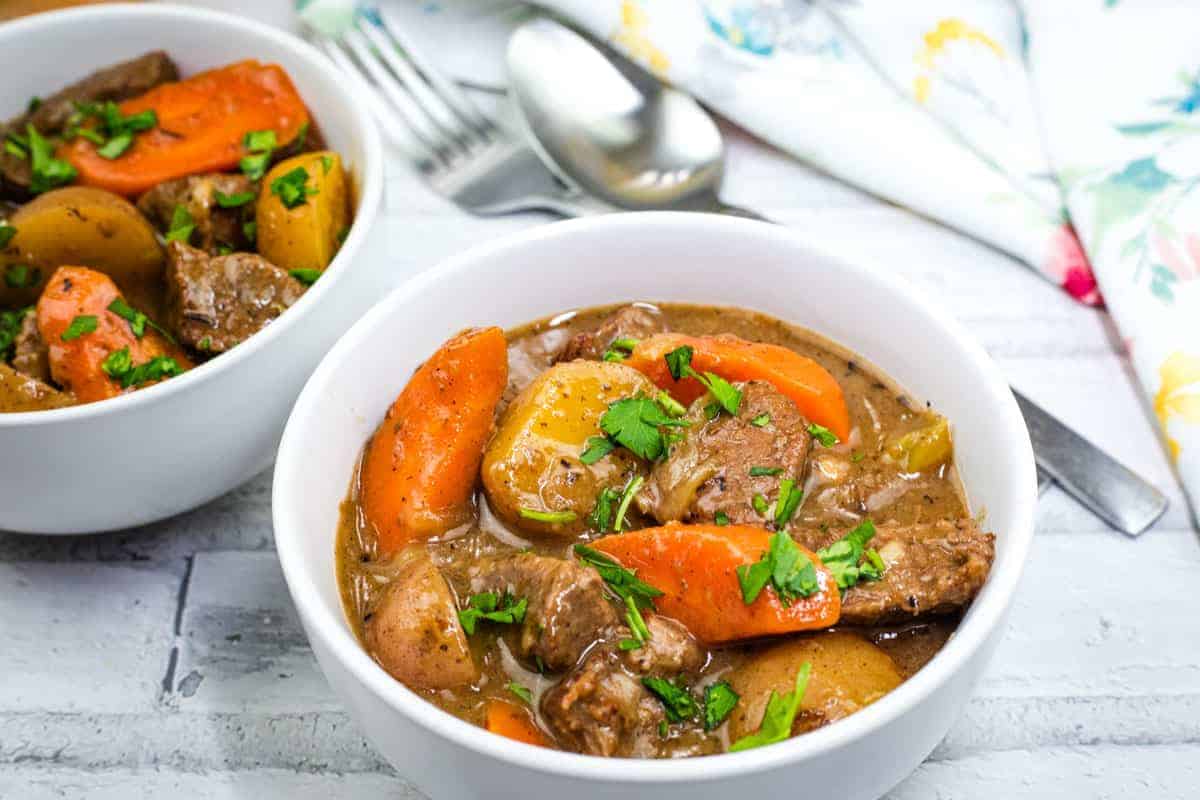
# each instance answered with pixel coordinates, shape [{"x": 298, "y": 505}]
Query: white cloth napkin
[{"x": 1018, "y": 123}]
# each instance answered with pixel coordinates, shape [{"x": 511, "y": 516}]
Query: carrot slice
[
  {"x": 695, "y": 566},
  {"x": 201, "y": 125},
  {"x": 421, "y": 466},
  {"x": 76, "y": 363},
  {"x": 513, "y": 722},
  {"x": 810, "y": 386}
]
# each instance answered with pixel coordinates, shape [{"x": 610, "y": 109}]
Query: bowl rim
[
  {"x": 370, "y": 194},
  {"x": 987, "y": 613}
]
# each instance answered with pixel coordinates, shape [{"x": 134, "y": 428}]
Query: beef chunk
[
  {"x": 215, "y": 226},
  {"x": 215, "y": 302},
  {"x": 932, "y": 568},
  {"x": 709, "y": 471},
  {"x": 30, "y": 354},
  {"x": 602, "y": 708},
  {"x": 568, "y": 606},
  {"x": 19, "y": 392},
  {"x": 634, "y": 322},
  {"x": 117, "y": 82}
]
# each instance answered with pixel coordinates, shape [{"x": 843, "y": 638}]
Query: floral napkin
[{"x": 1065, "y": 133}]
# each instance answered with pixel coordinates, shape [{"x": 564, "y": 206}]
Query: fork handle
[{"x": 739, "y": 211}]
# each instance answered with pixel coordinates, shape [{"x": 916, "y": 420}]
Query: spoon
[{"x": 611, "y": 128}]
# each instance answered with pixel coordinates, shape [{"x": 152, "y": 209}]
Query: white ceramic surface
[
  {"x": 173, "y": 446},
  {"x": 676, "y": 257}
]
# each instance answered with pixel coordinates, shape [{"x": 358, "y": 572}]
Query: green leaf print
[{"x": 1126, "y": 194}]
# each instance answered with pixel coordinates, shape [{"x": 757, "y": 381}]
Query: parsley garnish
[
  {"x": 115, "y": 147},
  {"x": 758, "y": 472},
  {"x": 47, "y": 171},
  {"x": 785, "y": 566},
  {"x": 670, "y": 404},
  {"x": 260, "y": 145},
  {"x": 290, "y": 188},
  {"x": 250, "y": 231},
  {"x": 234, "y": 200},
  {"x": 719, "y": 701},
  {"x": 787, "y": 502},
  {"x": 520, "y": 691},
  {"x": 326, "y": 163},
  {"x": 823, "y": 435},
  {"x": 677, "y": 701},
  {"x": 205, "y": 344},
  {"x": 119, "y": 366},
  {"x": 342, "y": 234},
  {"x": 21, "y": 276},
  {"x": 620, "y": 349},
  {"x": 504, "y": 609},
  {"x": 712, "y": 410},
  {"x": 597, "y": 448},
  {"x": 779, "y": 716},
  {"x": 679, "y": 362},
  {"x": 843, "y": 557},
  {"x": 17, "y": 146},
  {"x": 721, "y": 518},
  {"x": 181, "y": 226},
  {"x": 759, "y": 503},
  {"x": 260, "y": 141},
  {"x": 638, "y": 595},
  {"x": 254, "y": 166},
  {"x": 635, "y": 422},
  {"x": 546, "y": 516},
  {"x": 306, "y": 276},
  {"x": 602, "y": 513},
  {"x": 82, "y": 324},
  {"x": 627, "y": 495},
  {"x": 761, "y": 421},
  {"x": 7, "y": 232},
  {"x": 857, "y": 457},
  {"x": 10, "y": 326},
  {"x": 115, "y": 132},
  {"x": 136, "y": 319}
]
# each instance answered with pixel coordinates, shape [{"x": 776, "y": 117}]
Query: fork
[{"x": 470, "y": 159}]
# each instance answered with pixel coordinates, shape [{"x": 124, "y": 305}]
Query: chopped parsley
[
  {"x": 712, "y": 410},
  {"x": 785, "y": 567},
  {"x": 635, "y": 423},
  {"x": 520, "y": 691},
  {"x": 677, "y": 701},
  {"x": 254, "y": 166},
  {"x": 115, "y": 147},
  {"x": 778, "y": 718},
  {"x": 306, "y": 276},
  {"x": 552, "y": 517},
  {"x": 205, "y": 344},
  {"x": 627, "y": 494},
  {"x": 182, "y": 225},
  {"x": 260, "y": 141},
  {"x": 857, "y": 457},
  {"x": 136, "y": 319},
  {"x": 759, "y": 503},
  {"x": 81, "y": 325},
  {"x": 47, "y": 171},
  {"x": 787, "y": 502},
  {"x": 679, "y": 362},
  {"x": 637, "y": 594},
  {"x": 719, "y": 700},
  {"x": 290, "y": 188},
  {"x": 721, "y": 518},
  {"x": 823, "y": 435},
  {"x": 250, "y": 231},
  {"x": 503, "y": 609},
  {"x": 759, "y": 472},
  {"x": 119, "y": 366},
  {"x": 10, "y": 326},
  {"x": 762, "y": 420},
  {"x": 260, "y": 145},
  {"x": 7, "y": 232},
  {"x": 234, "y": 200},
  {"x": 21, "y": 276},
  {"x": 16, "y": 146},
  {"x": 115, "y": 132},
  {"x": 602, "y": 513},
  {"x": 326, "y": 163},
  {"x": 342, "y": 234},
  {"x": 597, "y": 448},
  {"x": 845, "y": 557},
  {"x": 620, "y": 349}
]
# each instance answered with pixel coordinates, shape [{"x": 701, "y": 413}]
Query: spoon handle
[{"x": 738, "y": 211}]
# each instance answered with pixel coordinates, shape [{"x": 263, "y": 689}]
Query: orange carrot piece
[
  {"x": 514, "y": 723},
  {"x": 421, "y": 466},
  {"x": 810, "y": 386},
  {"x": 201, "y": 125},
  {"x": 695, "y": 566},
  {"x": 76, "y": 364}
]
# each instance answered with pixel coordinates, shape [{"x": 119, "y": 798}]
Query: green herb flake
[
  {"x": 759, "y": 472},
  {"x": 597, "y": 448},
  {"x": 502, "y": 609},
  {"x": 788, "y": 501},
  {"x": 10, "y": 327},
  {"x": 182, "y": 225},
  {"x": 627, "y": 495},
  {"x": 13, "y": 146},
  {"x": 785, "y": 567},
  {"x": 154, "y": 370},
  {"x": 260, "y": 141},
  {"x": 342, "y": 234},
  {"x": 679, "y": 363},
  {"x": 636, "y": 594},
  {"x": 619, "y": 349},
  {"x": 7, "y": 232},
  {"x": 117, "y": 364},
  {"x": 844, "y": 558},
  {"x": 635, "y": 422},
  {"x": 759, "y": 503},
  {"x": 712, "y": 410},
  {"x": 290, "y": 188},
  {"x": 719, "y": 701},
  {"x": 205, "y": 344},
  {"x": 326, "y": 163},
  {"x": 677, "y": 701},
  {"x": 721, "y": 518},
  {"x": 81, "y": 325},
  {"x": 254, "y": 166},
  {"x": 823, "y": 435},
  {"x": 115, "y": 147},
  {"x": 136, "y": 319},
  {"x": 672, "y": 406},
  {"x": 21, "y": 276},
  {"x": 306, "y": 276},
  {"x": 520, "y": 691},
  {"x": 47, "y": 171},
  {"x": 250, "y": 231},
  {"x": 601, "y": 517},
  {"x": 762, "y": 420},
  {"x": 236, "y": 200},
  {"x": 551, "y": 517},
  {"x": 779, "y": 716},
  {"x": 857, "y": 457}
]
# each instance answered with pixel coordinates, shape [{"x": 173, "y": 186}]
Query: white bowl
[
  {"x": 170, "y": 447},
  {"x": 670, "y": 257}
]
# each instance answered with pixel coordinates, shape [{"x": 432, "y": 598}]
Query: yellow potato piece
[
  {"x": 923, "y": 448},
  {"x": 848, "y": 673},
  {"x": 83, "y": 226},
  {"x": 308, "y": 235},
  {"x": 532, "y": 462}
]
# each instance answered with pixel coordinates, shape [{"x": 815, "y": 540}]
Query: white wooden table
[{"x": 168, "y": 661}]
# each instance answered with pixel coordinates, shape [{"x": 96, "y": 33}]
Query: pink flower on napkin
[{"x": 1068, "y": 265}]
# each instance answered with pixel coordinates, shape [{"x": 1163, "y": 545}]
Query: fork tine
[
  {"x": 450, "y": 93},
  {"x": 394, "y": 127},
  {"x": 416, "y": 117},
  {"x": 439, "y": 112}
]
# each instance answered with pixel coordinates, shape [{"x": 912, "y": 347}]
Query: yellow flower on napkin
[
  {"x": 631, "y": 37},
  {"x": 1178, "y": 393},
  {"x": 936, "y": 40}
]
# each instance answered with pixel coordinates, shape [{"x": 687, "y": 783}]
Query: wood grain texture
[{"x": 167, "y": 660}]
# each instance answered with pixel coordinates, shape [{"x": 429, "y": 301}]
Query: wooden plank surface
[{"x": 168, "y": 660}]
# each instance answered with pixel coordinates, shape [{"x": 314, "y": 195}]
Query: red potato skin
[{"x": 421, "y": 466}]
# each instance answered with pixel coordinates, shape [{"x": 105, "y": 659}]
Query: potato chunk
[
  {"x": 307, "y": 235},
  {"x": 532, "y": 462},
  {"x": 848, "y": 673}
]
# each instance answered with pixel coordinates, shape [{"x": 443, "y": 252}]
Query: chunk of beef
[
  {"x": 19, "y": 392},
  {"x": 602, "y": 708},
  {"x": 215, "y": 226},
  {"x": 30, "y": 354},
  {"x": 215, "y": 302},
  {"x": 117, "y": 82},
  {"x": 632, "y": 322},
  {"x": 932, "y": 568},
  {"x": 568, "y": 605},
  {"x": 709, "y": 471}
]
